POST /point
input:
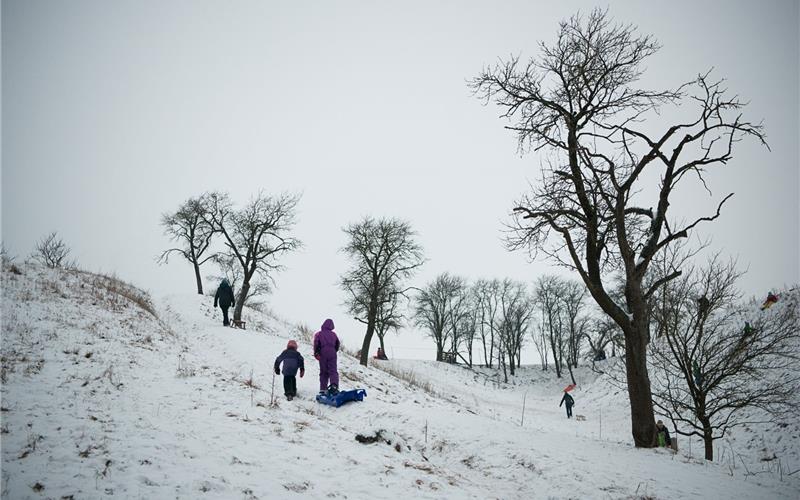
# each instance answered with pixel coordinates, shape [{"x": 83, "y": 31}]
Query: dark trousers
[
  {"x": 569, "y": 411},
  {"x": 225, "y": 321},
  {"x": 289, "y": 385}
]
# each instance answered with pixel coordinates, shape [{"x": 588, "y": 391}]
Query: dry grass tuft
[
  {"x": 119, "y": 291},
  {"x": 408, "y": 377}
]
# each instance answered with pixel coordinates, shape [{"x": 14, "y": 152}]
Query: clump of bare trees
[
  {"x": 53, "y": 252},
  {"x": 253, "y": 238},
  {"x": 384, "y": 254},
  {"x": 719, "y": 363},
  {"x": 579, "y": 102},
  {"x": 496, "y": 313}
]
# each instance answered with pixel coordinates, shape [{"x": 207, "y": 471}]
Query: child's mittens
[
  {"x": 277, "y": 371},
  {"x": 316, "y": 356},
  {"x": 302, "y": 372}
]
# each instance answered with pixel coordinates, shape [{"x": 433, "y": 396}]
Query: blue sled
[{"x": 342, "y": 398}]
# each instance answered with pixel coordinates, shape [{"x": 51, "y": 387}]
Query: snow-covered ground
[{"x": 101, "y": 398}]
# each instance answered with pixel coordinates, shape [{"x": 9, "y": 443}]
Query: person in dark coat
[
  {"x": 662, "y": 435},
  {"x": 326, "y": 347},
  {"x": 570, "y": 403},
  {"x": 292, "y": 362},
  {"x": 224, "y": 297}
]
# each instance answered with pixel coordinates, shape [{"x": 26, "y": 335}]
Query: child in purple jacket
[
  {"x": 292, "y": 361},
  {"x": 326, "y": 347}
]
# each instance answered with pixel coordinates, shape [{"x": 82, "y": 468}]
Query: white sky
[{"x": 115, "y": 112}]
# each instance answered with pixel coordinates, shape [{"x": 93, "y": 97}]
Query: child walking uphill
[
  {"x": 292, "y": 361},
  {"x": 326, "y": 347}
]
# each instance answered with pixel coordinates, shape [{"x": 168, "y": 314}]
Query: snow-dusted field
[{"x": 100, "y": 398}]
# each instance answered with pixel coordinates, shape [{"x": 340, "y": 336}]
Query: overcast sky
[{"x": 115, "y": 112}]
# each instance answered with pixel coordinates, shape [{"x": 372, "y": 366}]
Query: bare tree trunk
[
  {"x": 197, "y": 277},
  {"x": 708, "y": 441},
  {"x": 380, "y": 339},
  {"x": 365, "y": 345},
  {"x": 371, "y": 315},
  {"x": 555, "y": 357},
  {"x": 571, "y": 375},
  {"x": 237, "y": 311},
  {"x": 642, "y": 421}
]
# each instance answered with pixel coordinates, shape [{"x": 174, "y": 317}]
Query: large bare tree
[
  {"x": 579, "y": 102},
  {"x": 255, "y": 236},
  {"x": 718, "y": 362},
  {"x": 384, "y": 254},
  {"x": 189, "y": 228}
]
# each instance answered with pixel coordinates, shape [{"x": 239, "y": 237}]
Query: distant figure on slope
[
  {"x": 292, "y": 361},
  {"x": 570, "y": 403},
  {"x": 380, "y": 354},
  {"x": 326, "y": 347},
  {"x": 225, "y": 298},
  {"x": 771, "y": 299},
  {"x": 662, "y": 435}
]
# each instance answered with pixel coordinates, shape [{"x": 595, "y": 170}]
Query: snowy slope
[{"x": 180, "y": 407}]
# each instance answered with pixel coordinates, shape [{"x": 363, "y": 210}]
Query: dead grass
[
  {"x": 408, "y": 377},
  {"x": 119, "y": 293},
  {"x": 303, "y": 332},
  {"x": 297, "y": 487}
]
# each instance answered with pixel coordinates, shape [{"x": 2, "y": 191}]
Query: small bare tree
[
  {"x": 516, "y": 309},
  {"x": 575, "y": 319},
  {"x": 51, "y": 251},
  {"x": 255, "y": 236},
  {"x": 486, "y": 293},
  {"x": 719, "y": 364},
  {"x": 601, "y": 333},
  {"x": 384, "y": 255},
  {"x": 433, "y": 309},
  {"x": 389, "y": 318},
  {"x": 548, "y": 292},
  {"x": 580, "y": 102},
  {"x": 468, "y": 324},
  {"x": 231, "y": 270},
  {"x": 540, "y": 341},
  {"x": 189, "y": 228}
]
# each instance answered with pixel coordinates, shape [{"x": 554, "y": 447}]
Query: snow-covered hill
[{"x": 107, "y": 393}]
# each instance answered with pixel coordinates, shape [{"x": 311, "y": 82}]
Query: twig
[{"x": 272, "y": 391}]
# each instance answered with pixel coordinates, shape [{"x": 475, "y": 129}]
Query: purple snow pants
[{"x": 327, "y": 371}]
